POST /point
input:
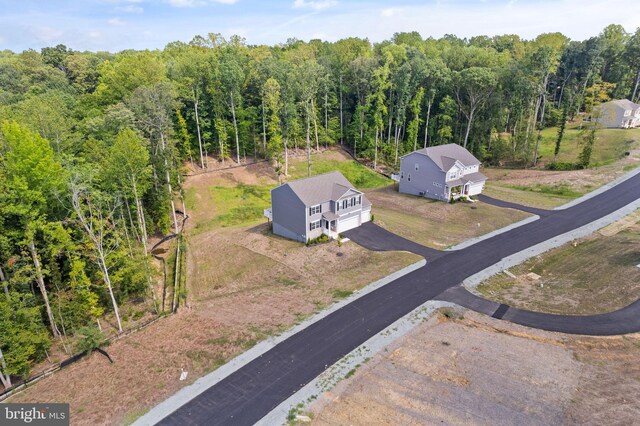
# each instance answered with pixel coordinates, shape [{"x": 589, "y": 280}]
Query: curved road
[{"x": 248, "y": 394}]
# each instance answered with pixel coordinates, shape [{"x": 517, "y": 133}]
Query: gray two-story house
[
  {"x": 621, "y": 113},
  {"x": 441, "y": 172},
  {"x": 324, "y": 204}
]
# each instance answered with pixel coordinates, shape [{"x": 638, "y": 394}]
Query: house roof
[
  {"x": 474, "y": 177},
  {"x": 445, "y": 156},
  {"x": 322, "y": 188},
  {"x": 622, "y": 103}
]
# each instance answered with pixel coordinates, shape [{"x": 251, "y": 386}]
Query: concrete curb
[
  {"x": 476, "y": 240},
  {"x": 186, "y": 394},
  {"x": 600, "y": 190},
  {"x": 474, "y": 280},
  {"x": 360, "y": 355}
]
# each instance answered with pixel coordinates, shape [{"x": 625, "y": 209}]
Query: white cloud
[
  {"x": 388, "y": 13},
  {"x": 116, "y": 22},
  {"x": 314, "y": 4},
  {"x": 195, "y": 3},
  {"x": 130, "y": 8}
]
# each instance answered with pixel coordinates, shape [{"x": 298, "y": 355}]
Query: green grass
[
  {"x": 558, "y": 190},
  {"x": 610, "y": 146},
  {"x": 360, "y": 176},
  {"x": 341, "y": 294}
]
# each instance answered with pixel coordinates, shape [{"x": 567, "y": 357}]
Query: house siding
[
  {"x": 289, "y": 214},
  {"x": 422, "y": 180}
]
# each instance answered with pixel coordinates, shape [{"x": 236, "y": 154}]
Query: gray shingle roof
[
  {"x": 322, "y": 188},
  {"x": 445, "y": 156}
]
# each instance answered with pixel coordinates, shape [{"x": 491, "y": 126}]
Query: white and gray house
[
  {"x": 620, "y": 113},
  {"x": 324, "y": 204},
  {"x": 440, "y": 172}
]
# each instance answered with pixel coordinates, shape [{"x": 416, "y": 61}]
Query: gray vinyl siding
[
  {"x": 326, "y": 207},
  {"x": 422, "y": 179},
  {"x": 611, "y": 116},
  {"x": 290, "y": 216}
]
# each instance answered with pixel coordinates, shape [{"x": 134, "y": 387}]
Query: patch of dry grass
[
  {"x": 434, "y": 223},
  {"x": 598, "y": 274}
]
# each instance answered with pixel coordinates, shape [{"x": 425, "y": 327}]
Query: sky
[{"x": 115, "y": 25}]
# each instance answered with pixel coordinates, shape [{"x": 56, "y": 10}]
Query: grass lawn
[
  {"x": 549, "y": 189},
  {"x": 434, "y": 223},
  {"x": 610, "y": 146},
  {"x": 597, "y": 275},
  {"x": 238, "y": 197}
]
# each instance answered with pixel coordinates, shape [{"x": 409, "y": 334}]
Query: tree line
[{"x": 94, "y": 145}]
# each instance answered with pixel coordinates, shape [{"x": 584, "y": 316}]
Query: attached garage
[
  {"x": 365, "y": 216},
  {"x": 475, "y": 188},
  {"x": 348, "y": 223}
]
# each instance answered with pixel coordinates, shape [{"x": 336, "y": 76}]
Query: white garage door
[
  {"x": 350, "y": 223},
  {"x": 366, "y": 216},
  {"x": 475, "y": 188}
]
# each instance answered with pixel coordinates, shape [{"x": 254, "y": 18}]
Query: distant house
[
  {"x": 621, "y": 113},
  {"x": 441, "y": 172},
  {"x": 325, "y": 204}
]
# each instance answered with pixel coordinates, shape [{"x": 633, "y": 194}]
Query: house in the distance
[
  {"x": 325, "y": 204},
  {"x": 621, "y": 113},
  {"x": 441, "y": 172}
]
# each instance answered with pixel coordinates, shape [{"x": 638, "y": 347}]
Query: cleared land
[
  {"x": 244, "y": 284},
  {"x": 548, "y": 189},
  {"x": 593, "y": 275},
  {"x": 434, "y": 223},
  {"x": 482, "y": 371}
]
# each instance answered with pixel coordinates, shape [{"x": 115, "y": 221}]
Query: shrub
[
  {"x": 92, "y": 338},
  {"x": 562, "y": 166}
]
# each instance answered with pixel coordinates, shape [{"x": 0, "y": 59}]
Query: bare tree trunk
[
  {"x": 286, "y": 156},
  {"x": 168, "y": 178},
  {"x": 341, "y": 131},
  {"x": 176, "y": 273},
  {"x": 195, "y": 105},
  {"x": 535, "y": 153},
  {"x": 397, "y": 141},
  {"x": 375, "y": 155},
  {"x": 141, "y": 220},
  {"x": 264, "y": 130},
  {"x": 466, "y": 135},
  {"x": 426, "y": 126},
  {"x": 326, "y": 120},
  {"x": 315, "y": 124},
  {"x": 235, "y": 127},
  {"x": 43, "y": 289},
  {"x": 96, "y": 237},
  {"x": 4, "y": 377},
  {"x": 308, "y": 141},
  {"x": 635, "y": 87}
]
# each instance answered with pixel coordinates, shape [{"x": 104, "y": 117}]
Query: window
[
  {"x": 315, "y": 210},
  {"x": 352, "y": 201},
  {"x": 359, "y": 199},
  {"x": 337, "y": 206},
  {"x": 409, "y": 177},
  {"x": 416, "y": 166},
  {"x": 344, "y": 204},
  {"x": 401, "y": 175},
  {"x": 314, "y": 225},
  {"x": 627, "y": 113}
]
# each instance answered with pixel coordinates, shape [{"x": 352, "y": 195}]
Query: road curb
[{"x": 187, "y": 393}]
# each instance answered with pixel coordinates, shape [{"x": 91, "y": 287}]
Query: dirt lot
[
  {"x": 434, "y": 223},
  {"x": 482, "y": 371},
  {"x": 592, "y": 275},
  {"x": 244, "y": 284}
]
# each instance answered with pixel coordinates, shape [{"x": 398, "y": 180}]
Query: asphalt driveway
[{"x": 248, "y": 394}]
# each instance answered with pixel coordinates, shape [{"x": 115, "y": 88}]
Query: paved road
[
  {"x": 510, "y": 205},
  {"x": 247, "y": 395}
]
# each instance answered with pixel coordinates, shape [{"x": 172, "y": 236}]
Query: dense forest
[{"x": 94, "y": 146}]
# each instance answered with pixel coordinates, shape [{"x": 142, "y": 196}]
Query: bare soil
[
  {"x": 486, "y": 372},
  {"x": 593, "y": 275}
]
